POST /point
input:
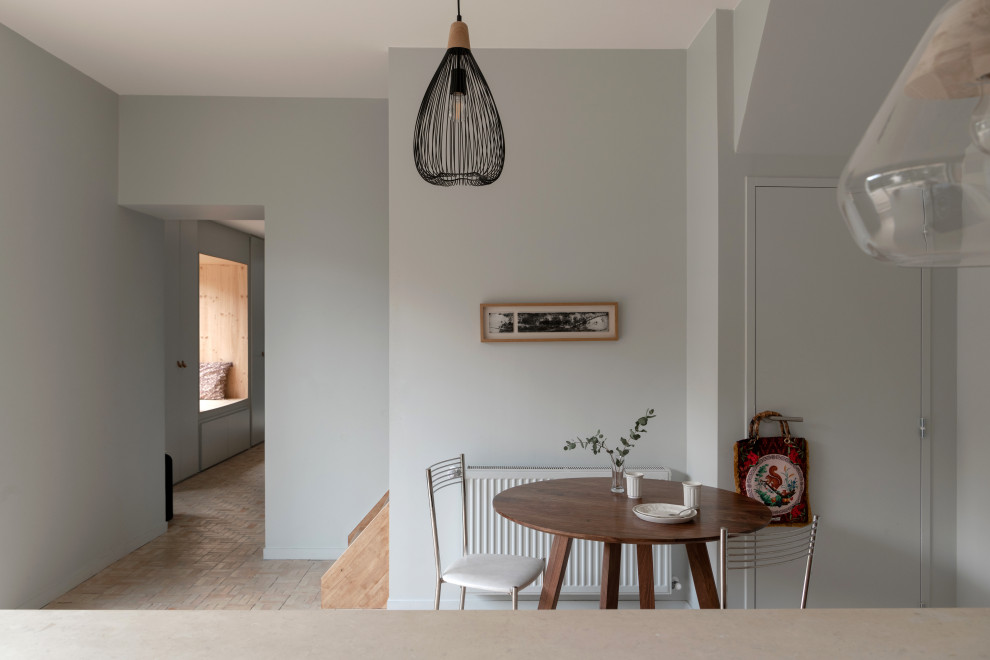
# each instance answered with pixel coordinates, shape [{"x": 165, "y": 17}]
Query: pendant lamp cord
[{"x": 458, "y": 9}]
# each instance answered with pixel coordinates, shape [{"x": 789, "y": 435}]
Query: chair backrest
[
  {"x": 439, "y": 476},
  {"x": 745, "y": 551}
]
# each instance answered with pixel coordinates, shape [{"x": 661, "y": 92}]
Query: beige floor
[{"x": 210, "y": 558}]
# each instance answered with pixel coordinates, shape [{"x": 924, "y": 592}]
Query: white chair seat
[{"x": 493, "y": 572}]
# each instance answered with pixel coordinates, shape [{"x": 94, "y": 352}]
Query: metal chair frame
[
  {"x": 751, "y": 551},
  {"x": 451, "y": 472}
]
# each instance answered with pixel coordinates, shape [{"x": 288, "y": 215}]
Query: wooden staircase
[{"x": 359, "y": 579}]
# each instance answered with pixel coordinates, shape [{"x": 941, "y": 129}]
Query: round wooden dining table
[{"x": 587, "y": 509}]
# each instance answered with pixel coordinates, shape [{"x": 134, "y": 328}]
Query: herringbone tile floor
[{"x": 210, "y": 558}]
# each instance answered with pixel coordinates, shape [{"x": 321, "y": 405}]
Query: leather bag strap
[{"x": 754, "y": 424}]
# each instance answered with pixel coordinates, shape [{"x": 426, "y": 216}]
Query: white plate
[{"x": 664, "y": 513}]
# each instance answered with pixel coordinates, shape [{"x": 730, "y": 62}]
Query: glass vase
[{"x": 618, "y": 479}]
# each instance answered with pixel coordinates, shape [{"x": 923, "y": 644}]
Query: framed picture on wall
[{"x": 549, "y": 322}]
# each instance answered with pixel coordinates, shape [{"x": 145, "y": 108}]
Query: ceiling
[{"x": 319, "y": 48}]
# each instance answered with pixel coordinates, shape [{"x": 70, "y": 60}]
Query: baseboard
[
  {"x": 52, "y": 591},
  {"x": 315, "y": 554},
  {"x": 478, "y": 602}
]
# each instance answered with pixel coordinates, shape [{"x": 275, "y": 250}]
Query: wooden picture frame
[{"x": 549, "y": 322}]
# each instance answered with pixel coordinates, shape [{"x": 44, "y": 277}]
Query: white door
[{"x": 838, "y": 342}]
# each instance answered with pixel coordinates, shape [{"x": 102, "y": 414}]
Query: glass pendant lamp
[
  {"x": 458, "y": 137},
  {"x": 916, "y": 191}
]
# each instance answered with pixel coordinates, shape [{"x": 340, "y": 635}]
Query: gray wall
[
  {"x": 318, "y": 166},
  {"x": 81, "y": 390},
  {"x": 821, "y": 69},
  {"x": 224, "y": 242},
  {"x": 701, "y": 349},
  {"x": 702, "y": 257},
  {"x": 590, "y": 207},
  {"x": 748, "y": 21}
]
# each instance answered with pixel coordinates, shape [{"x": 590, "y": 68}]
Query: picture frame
[{"x": 507, "y": 322}]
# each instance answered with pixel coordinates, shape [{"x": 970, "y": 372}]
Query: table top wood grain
[{"x": 587, "y": 509}]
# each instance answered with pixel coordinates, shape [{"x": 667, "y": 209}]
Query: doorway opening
[{"x": 224, "y": 333}]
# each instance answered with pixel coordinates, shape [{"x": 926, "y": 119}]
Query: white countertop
[{"x": 625, "y": 634}]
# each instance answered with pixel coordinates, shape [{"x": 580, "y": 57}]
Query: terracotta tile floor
[{"x": 210, "y": 558}]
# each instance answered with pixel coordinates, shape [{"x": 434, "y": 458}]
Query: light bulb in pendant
[
  {"x": 458, "y": 92},
  {"x": 979, "y": 121},
  {"x": 458, "y": 103}
]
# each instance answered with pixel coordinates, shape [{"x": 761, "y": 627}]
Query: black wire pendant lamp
[{"x": 458, "y": 139}]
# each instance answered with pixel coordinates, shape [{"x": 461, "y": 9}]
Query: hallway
[{"x": 211, "y": 556}]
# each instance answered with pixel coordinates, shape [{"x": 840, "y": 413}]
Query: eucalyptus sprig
[{"x": 596, "y": 443}]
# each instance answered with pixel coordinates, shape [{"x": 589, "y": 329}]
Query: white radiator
[{"x": 490, "y": 532}]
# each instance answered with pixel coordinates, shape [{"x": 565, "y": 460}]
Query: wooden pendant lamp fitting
[{"x": 458, "y": 37}]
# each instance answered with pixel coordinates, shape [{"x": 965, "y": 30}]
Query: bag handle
[{"x": 754, "y": 424}]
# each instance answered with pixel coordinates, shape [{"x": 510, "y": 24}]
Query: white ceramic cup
[
  {"x": 692, "y": 494},
  {"x": 633, "y": 483}
]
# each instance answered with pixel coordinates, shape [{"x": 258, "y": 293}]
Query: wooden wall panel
[{"x": 223, "y": 319}]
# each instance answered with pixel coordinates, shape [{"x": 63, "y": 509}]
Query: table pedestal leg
[
  {"x": 553, "y": 576},
  {"x": 704, "y": 579},
  {"x": 644, "y": 565},
  {"x": 611, "y": 558}
]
